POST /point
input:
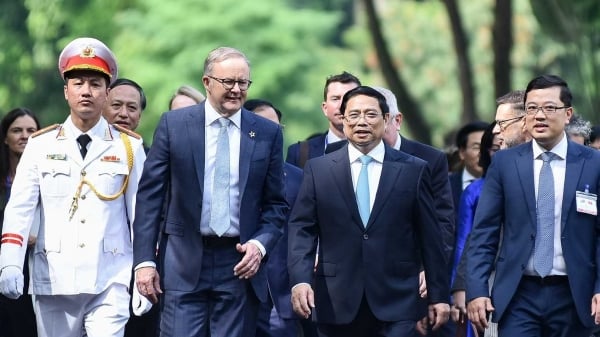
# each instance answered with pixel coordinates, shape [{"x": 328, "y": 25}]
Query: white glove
[
  {"x": 139, "y": 304},
  {"x": 11, "y": 282}
]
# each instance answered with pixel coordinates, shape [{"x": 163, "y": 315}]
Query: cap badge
[{"x": 88, "y": 52}]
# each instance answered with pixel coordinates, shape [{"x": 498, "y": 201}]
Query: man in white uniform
[{"x": 84, "y": 175}]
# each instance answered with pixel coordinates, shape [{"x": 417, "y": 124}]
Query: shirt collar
[
  {"x": 211, "y": 116},
  {"x": 467, "y": 177},
  {"x": 377, "y": 153},
  {"x": 97, "y": 130},
  {"x": 560, "y": 149},
  {"x": 332, "y": 138}
]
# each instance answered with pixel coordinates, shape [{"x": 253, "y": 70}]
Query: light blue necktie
[
  {"x": 362, "y": 190},
  {"x": 543, "y": 253},
  {"x": 219, "y": 205}
]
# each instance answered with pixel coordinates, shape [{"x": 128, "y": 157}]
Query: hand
[
  {"x": 139, "y": 304},
  {"x": 303, "y": 299},
  {"x": 147, "y": 281},
  {"x": 596, "y": 308},
  {"x": 438, "y": 314},
  {"x": 459, "y": 308},
  {"x": 478, "y": 310},
  {"x": 31, "y": 240},
  {"x": 250, "y": 263},
  {"x": 422, "y": 326},
  {"x": 11, "y": 282},
  {"x": 422, "y": 285}
]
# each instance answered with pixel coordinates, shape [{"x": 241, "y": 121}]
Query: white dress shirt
[
  {"x": 559, "y": 167},
  {"x": 374, "y": 168}
]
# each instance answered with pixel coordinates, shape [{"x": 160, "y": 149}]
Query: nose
[{"x": 497, "y": 129}]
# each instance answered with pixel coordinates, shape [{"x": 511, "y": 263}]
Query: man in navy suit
[
  {"x": 335, "y": 88},
  {"x": 376, "y": 227},
  {"x": 540, "y": 201},
  {"x": 212, "y": 275},
  {"x": 276, "y": 317}
]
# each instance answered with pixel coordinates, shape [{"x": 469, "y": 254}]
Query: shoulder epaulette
[
  {"x": 45, "y": 130},
  {"x": 127, "y": 131}
]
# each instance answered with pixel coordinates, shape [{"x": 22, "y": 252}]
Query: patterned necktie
[
  {"x": 83, "y": 141},
  {"x": 219, "y": 206},
  {"x": 362, "y": 190},
  {"x": 544, "y": 243}
]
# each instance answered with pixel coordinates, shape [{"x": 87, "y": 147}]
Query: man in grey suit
[{"x": 219, "y": 167}]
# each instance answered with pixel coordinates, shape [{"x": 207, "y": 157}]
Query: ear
[
  {"x": 399, "y": 119},
  {"x": 205, "y": 82},
  {"x": 323, "y": 108},
  {"x": 65, "y": 91}
]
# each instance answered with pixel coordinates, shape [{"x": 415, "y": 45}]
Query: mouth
[
  {"x": 85, "y": 102},
  {"x": 123, "y": 123}
]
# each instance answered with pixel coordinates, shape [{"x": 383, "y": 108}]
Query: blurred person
[
  {"x": 491, "y": 142},
  {"x": 467, "y": 141},
  {"x": 371, "y": 292},
  {"x": 219, "y": 168},
  {"x": 185, "y": 96},
  {"x": 595, "y": 137},
  {"x": 579, "y": 130},
  {"x": 125, "y": 103},
  {"x": 276, "y": 317},
  {"x": 83, "y": 175},
  {"x": 510, "y": 119},
  {"x": 17, "y": 318},
  {"x": 335, "y": 88},
  {"x": 541, "y": 197}
]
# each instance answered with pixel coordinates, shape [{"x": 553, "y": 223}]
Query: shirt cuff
[
  {"x": 260, "y": 247},
  {"x": 299, "y": 284},
  {"x": 145, "y": 264}
]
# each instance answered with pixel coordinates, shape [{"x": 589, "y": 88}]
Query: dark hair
[
  {"x": 515, "y": 99},
  {"x": 253, "y": 104},
  {"x": 366, "y": 91},
  {"x": 487, "y": 140},
  {"x": 595, "y": 133},
  {"x": 344, "y": 77},
  {"x": 463, "y": 133},
  {"x": 549, "y": 81},
  {"x": 10, "y": 117},
  {"x": 126, "y": 81}
]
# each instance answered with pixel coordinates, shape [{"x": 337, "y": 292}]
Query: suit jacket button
[{"x": 366, "y": 236}]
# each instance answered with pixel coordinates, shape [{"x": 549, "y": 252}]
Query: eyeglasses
[
  {"x": 505, "y": 123},
  {"x": 229, "y": 83},
  {"x": 370, "y": 117},
  {"x": 547, "y": 109}
]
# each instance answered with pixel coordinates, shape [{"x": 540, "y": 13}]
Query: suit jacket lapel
[
  {"x": 342, "y": 175},
  {"x": 196, "y": 135},
  {"x": 574, "y": 167},
  {"x": 247, "y": 142},
  {"x": 524, "y": 163},
  {"x": 390, "y": 172}
]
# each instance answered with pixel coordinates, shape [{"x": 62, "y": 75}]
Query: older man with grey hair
[{"x": 579, "y": 130}]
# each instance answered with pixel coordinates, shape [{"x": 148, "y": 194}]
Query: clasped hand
[{"x": 11, "y": 282}]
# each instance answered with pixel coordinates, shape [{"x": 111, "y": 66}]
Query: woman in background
[
  {"x": 16, "y": 316},
  {"x": 185, "y": 96}
]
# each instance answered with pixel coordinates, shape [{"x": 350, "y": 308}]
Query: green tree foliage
[
  {"x": 163, "y": 45},
  {"x": 575, "y": 25}
]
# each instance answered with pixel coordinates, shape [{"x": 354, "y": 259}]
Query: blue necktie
[
  {"x": 362, "y": 190},
  {"x": 219, "y": 205},
  {"x": 543, "y": 253}
]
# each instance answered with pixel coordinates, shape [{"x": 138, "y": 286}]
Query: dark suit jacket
[
  {"x": 316, "y": 148},
  {"x": 456, "y": 187},
  {"x": 175, "y": 167},
  {"x": 381, "y": 261},
  {"x": 508, "y": 201},
  {"x": 277, "y": 274},
  {"x": 442, "y": 193}
]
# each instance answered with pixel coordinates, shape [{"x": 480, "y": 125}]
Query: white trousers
[{"x": 91, "y": 315}]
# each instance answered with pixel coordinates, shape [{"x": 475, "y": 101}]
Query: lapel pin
[{"x": 252, "y": 134}]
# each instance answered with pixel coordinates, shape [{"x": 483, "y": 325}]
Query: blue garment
[{"x": 466, "y": 212}]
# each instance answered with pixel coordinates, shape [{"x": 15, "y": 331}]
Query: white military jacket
[{"x": 89, "y": 249}]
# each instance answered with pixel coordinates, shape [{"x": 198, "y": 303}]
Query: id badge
[{"x": 586, "y": 202}]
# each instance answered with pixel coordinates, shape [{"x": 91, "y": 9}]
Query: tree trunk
[
  {"x": 465, "y": 73},
  {"x": 502, "y": 35},
  {"x": 409, "y": 107}
]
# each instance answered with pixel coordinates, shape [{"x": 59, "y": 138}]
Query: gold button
[
  {"x": 82, "y": 220},
  {"x": 83, "y": 197},
  {"x": 81, "y": 245},
  {"x": 115, "y": 251},
  {"x": 83, "y": 173}
]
